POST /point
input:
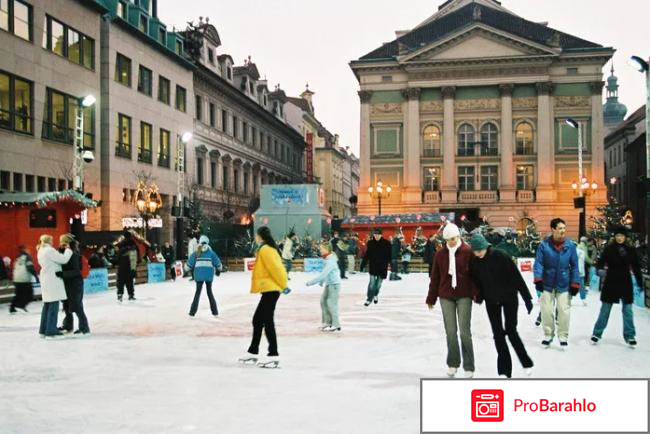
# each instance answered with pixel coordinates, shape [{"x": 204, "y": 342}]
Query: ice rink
[{"x": 150, "y": 368}]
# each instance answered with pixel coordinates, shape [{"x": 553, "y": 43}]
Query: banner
[
  {"x": 289, "y": 195},
  {"x": 309, "y": 157},
  {"x": 525, "y": 267},
  {"x": 155, "y": 272},
  {"x": 177, "y": 269},
  {"x": 96, "y": 281},
  {"x": 249, "y": 264},
  {"x": 314, "y": 265}
]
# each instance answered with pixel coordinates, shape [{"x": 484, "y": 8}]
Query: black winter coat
[
  {"x": 395, "y": 248},
  {"x": 124, "y": 269},
  {"x": 620, "y": 260},
  {"x": 429, "y": 252},
  {"x": 72, "y": 278},
  {"x": 378, "y": 257},
  {"x": 497, "y": 278}
]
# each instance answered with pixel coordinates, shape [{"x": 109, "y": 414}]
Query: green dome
[{"x": 613, "y": 111}]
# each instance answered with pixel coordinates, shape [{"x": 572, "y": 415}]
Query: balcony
[
  {"x": 478, "y": 196},
  {"x": 525, "y": 196},
  {"x": 431, "y": 153},
  {"x": 431, "y": 197},
  {"x": 477, "y": 151},
  {"x": 524, "y": 150}
]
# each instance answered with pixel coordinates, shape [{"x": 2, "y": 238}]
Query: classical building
[
  {"x": 351, "y": 173},
  {"x": 466, "y": 112},
  {"x": 241, "y": 136}
]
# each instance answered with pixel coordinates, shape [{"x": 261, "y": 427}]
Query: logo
[{"x": 487, "y": 405}]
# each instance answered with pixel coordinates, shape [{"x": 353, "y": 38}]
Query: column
[
  {"x": 251, "y": 182},
  {"x": 220, "y": 173},
  {"x": 364, "y": 152},
  {"x": 258, "y": 182},
  {"x": 545, "y": 143},
  {"x": 411, "y": 190},
  {"x": 598, "y": 143},
  {"x": 506, "y": 184},
  {"x": 448, "y": 148}
]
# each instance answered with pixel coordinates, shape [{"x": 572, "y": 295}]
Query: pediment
[{"x": 477, "y": 43}]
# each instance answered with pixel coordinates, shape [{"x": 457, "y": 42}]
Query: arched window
[
  {"x": 431, "y": 141},
  {"x": 524, "y": 144},
  {"x": 466, "y": 139},
  {"x": 489, "y": 139}
]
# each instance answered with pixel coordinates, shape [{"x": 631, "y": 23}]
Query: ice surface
[{"x": 150, "y": 368}]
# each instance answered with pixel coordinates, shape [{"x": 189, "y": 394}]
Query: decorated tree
[
  {"x": 529, "y": 240},
  {"x": 610, "y": 215}
]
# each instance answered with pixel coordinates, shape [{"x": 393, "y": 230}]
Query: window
[
  {"x": 566, "y": 138},
  {"x": 162, "y": 36},
  {"x": 179, "y": 48},
  {"x": 145, "y": 80},
  {"x": 5, "y": 179},
  {"x": 213, "y": 115},
  {"x": 245, "y": 183},
  {"x": 276, "y": 151},
  {"x": 121, "y": 9},
  {"x": 199, "y": 107},
  {"x": 431, "y": 141},
  {"x": 40, "y": 184},
  {"x": 466, "y": 178},
  {"x": 489, "y": 178},
  {"x": 229, "y": 72},
  {"x": 59, "y": 122},
  {"x": 18, "y": 182},
  {"x": 123, "y": 70},
  {"x": 29, "y": 183},
  {"x": 164, "y": 149},
  {"x": 61, "y": 185},
  {"x": 16, "y": 17},
  {"x": 254, "y": 136},
  {"x": 66, "y": 42},
  {"x": 213, "y": 174},
  {"x": 224, "y": 121},
  {"x": 251, "y": 87},
  {"x": 466, "y": 140},
  {"x": 142, "y": 25},
  {"x": 525, "y": 177},
  {"x": 123, "y": 136},
  {"x": 431, "y": 179},
  {"x": 210, "y": 56},
  {"x": 235, "y": 179},
  {"x": 235, "y": 127},
  {"x": 524, "y": 139},
  {"x": 16, "y": 101},
  {"x": 51, "y": 184},
  {"x": 225, "y": 178},
  {"x": 489, "y": 139},
  {"x": 144, "y": 147},
  {"x": 181, "y": 98},
  {"x": 199, "y": 171},
  {"x": 163, "y": 90},
  {"x": 245, "y": 132},
  {"x": 386, "y": 140}
]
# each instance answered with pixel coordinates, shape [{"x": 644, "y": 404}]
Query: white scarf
[{"x": 452, "y": 264}]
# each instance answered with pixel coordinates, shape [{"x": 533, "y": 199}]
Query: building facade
[
  {"x": 471, "y": 118},
  {"x": 241, "y": 136}
]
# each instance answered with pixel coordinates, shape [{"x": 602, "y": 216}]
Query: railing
[
  {"x": 431, "y": 197},
  {"x": 525, "y": 195},
  {"x": 524, "y": 150},
  {"x": 431, "y": 153},
  {"x": 478, "y": 196}
]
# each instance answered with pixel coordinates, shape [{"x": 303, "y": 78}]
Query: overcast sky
[{"x": 294, "y": 42}]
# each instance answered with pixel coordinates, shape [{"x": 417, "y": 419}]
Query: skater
[
  {"x": 407, "y": 253},
  {"x": 204, "y": 263},
  {"x": 430, "y": 251},
  {"x": 52, "y": 286},
  {"x": 618, "y": 259},
  {"x": 584, "y": 247},
  {"x": 126, "y": 267},
  {"x": 338, "y": 248},
  {"x": 170, "y": 257},
  {"x": 329, "y": 300},
  {"x": 352, "y": 250},
  {"x": 395, "y": 248},
  {"x": 499, "y": 281},
  {"x": 98, "y": 259},
  {"x": 269, "y": 279},
  {"x": 451, "y": 282},
  {"x": 192, "y": 244},
  {"x": 377, "y": 257},
  {"x": 288, "y": 250},
  {"x": 74, "y": 288},
  {"x": 581, "y": 272},
  {"x": 556, "y": 275},
  {"x": 23, "y": 274}
]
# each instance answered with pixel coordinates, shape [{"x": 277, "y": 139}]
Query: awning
[{"x": 42, "y": 199}]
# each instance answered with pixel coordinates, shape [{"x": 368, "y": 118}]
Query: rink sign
[
  {"x": 249, "y": 264},
  {"x": 96, "y": 281},
  {"x": 155, "y": 272},
  {"x": 314, "y": 265},
  {"x": 525, "y": 267}
]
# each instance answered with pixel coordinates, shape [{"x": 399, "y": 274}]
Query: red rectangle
[{"x": 487, "y": 405}]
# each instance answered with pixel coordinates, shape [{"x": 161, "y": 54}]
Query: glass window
[
  {"x": 29, "y": 183},
  {"x": 199, "y": 107},
  {"x": 121, "y": 9},
  {"x": 22, "y": 20},
  {"x": 235, "y": 180},
  {"x": 5, "y": 101},
  {"x": 254, "y": 136},
  {"x": 144, "y": 148},
  {"x": 225, "y": 178},
  {"x": 18, "y": 182},
  {"x": 89, "y": 127},
  {"x": 143, "y": 24},
  {"x": 525, "y": 177},
  {"x": 123, "y": 136},
  {"x": 199, "y": 171},
  {"x": 88, "y": 47},
  {"x": 5, "y": 179},
  {"x": 163, "y": 89},
  {"x": 162, "y": 36},
  {"x": 74, "y": 51},
  {"x": 466, "y": 178},
  {"x": 213, "y": 174},
  {"x": 431, "y": 141},
  {"x": 431, "y": 179},
  {"x": 466, "y": 140},
  {"x": 51, "y": 184},
  {"x": 224, "y": 121},
  {"x": 489, "y": 178},
  {"x": 213, "y": 117},
  {"x": 235, "y": 126},
  {"x": 59, "y": 123},
  {"x": 181, "y": 99},
  {"x": 4, "y": 15},
  {"x": 489, "y": 139},
  {"x": 40, "y": 184},
  {"x": 66, "y": 42},
  {"x": 145, "y": 78},
  {"x": 61, "y": 184},
  {"x": 164, "y": 149},
  {"x": 123, "y": 70},
  {"x": 524, "y": 139},
  {"x": 22, "y": 106},
  {"x": 179, "y": 48},
  {"x": 57, "y": 38},
  {"x": 210, "y": 56},
  {"x": 245, "y": 132}
]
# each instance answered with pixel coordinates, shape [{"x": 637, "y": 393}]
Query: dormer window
[
  {"x": 210, "y": 56},
  {"x": 243, "y": 84},
  {"x": 179, "y": 47},
  {"x": 229, "y": 72},
  {"x": 265, "y": 100},
  {"x": 162, "y": 36},
  {"x": 251, "y": 86},
  {"x": 143, "y": 24}
]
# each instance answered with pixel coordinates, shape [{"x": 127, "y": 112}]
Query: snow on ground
[{"x": 150, "y": 368}]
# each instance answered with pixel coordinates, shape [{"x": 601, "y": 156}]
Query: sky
[{"x": 295, "y": 42}]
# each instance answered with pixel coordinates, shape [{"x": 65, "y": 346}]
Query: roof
[
  {"x": 42, "y": 199},
  {"x": 249, "y": 68},
  {"x": 630, "y": 122},
  {"x": 477, "y": 12},
  {"x": 300, "y": 103}
]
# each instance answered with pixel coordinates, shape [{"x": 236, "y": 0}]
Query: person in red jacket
[{"x": 451, "y": 282}]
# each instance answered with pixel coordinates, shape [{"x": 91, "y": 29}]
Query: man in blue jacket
[{"x": 556, "y": 277}]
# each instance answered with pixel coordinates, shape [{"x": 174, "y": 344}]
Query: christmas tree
[
  {"x": 529, "y": 240},
  {"x": 610, "y": 215}
]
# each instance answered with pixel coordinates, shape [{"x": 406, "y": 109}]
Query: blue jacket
[
  {"x": 557, "y": 270},
  {"x": 330, "y": 274},
  {"x": 203, "y": 266}
]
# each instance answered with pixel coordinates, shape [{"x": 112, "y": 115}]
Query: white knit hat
[{"x": 450, "y": 231}]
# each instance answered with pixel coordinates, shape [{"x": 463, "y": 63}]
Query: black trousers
[
  {"x": 343, "y": 265},
  {"x": 24, "y": 295},
  {"x": 263, "y": 320},
  {"x": 498, "y": 312},
  {"x": 197, "y": 296},
  {"x": 121, "y": 282},
  {"x": 75, "y": 305}
]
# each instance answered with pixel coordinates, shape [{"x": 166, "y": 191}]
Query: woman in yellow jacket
[{"x": 269, "y": 279}]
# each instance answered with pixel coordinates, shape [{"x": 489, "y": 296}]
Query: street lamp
[
  {"x": 148, "y": 201},
  {"x": 583, "y": 190},
  {"x": 80, "y": 156},
  {"x": 181, "y": 141},
  {"x": 379, "y": 192},
  {"x": 579, "y": 189}
]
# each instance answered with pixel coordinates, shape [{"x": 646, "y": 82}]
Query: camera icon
[{"x": 487, "y": 405}]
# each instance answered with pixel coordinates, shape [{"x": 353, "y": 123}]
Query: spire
[{"x": 613, "y": 111}]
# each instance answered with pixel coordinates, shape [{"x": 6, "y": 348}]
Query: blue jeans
[
  {"x": 628, "y": 321},
  {"x": 49, "y": 316},
  {"x": 287, "y": 264},
  {"x": 583, "y": 289},
  {"x": 373, "y": 286}
]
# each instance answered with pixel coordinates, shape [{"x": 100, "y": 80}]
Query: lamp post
[
  {"x": 583, "y": 190},
  {"x": 148, "y": 201},
  {"x": 643, "y": 66},
  {"x": 582, "y": 201},
  {"x": 379, "y": 192},
  {"x": 181, "y": 141},
  {"x": 80, "y": 156}
]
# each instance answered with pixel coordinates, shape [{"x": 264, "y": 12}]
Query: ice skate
[
  {"x": 631, "y": 343},
  {"x": 469, "y": 374},
  {"x": 375, "y": 300},
  {"x": 594, "y": 340},
  {"x": 547, "y": 342},
  {"x": 331, "y": 329},
  {"x": 269, "y": 362},
  {"x": 451, "y": 372},
  {"x": 248, "y": 359},
  {"x": 564, "y": 345},
  {"x": 528, "y": 371}
]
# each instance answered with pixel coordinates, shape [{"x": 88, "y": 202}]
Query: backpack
[{"x": 85, "y": 268}]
